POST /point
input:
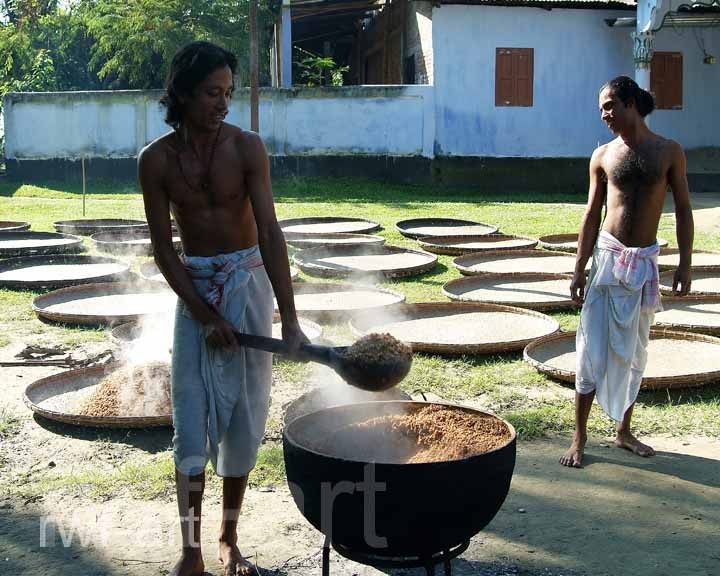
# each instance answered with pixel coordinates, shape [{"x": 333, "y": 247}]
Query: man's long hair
[
  {"x": 189, "y": 67},
  {"x": 627, "y": 90}
]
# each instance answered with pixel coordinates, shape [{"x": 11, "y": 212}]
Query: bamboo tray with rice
[
  {"x": 13, "y": 226},
  {"x": 302, "y": 241},
  {"x": 328, "y": 225},
  {"x": 516, "y": 261},
  {"x": 27, "y": 243},
  {"x": 90, "y": 226},
  {"x": 59, "y": 270},
  {"x": 417, "y": 227},
  {"x": 675, "y": 359},
  {"x": 459, "y": 245},
  {"x": 104, "y": 304},
  {"x": 536, "y": 291},
  {"x": 690, "y": 314},
  {"x": 335, "y": 302},
  {"x": 704, "y": 282},
  {"x": 375, "y": 261},
  {"x": 453, "y": 328},
  {"x": 62, "y": 396},
  {"x": 701, "y": 260}
]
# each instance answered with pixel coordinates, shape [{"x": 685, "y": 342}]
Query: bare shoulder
[
  {"x": 154, "y": 155},
  {"x": 597, "y": 161},
  {"x": 248, "y": 144},
  {"x": 674, "y": 149},
  {"x": 246, "y": 141}
]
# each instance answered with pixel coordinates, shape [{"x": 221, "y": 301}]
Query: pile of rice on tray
[{"x": 141, "y": 389}]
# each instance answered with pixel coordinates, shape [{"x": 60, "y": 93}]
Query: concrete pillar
[{"x": 286, "y": 46}]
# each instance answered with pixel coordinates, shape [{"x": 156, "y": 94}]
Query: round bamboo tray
[
  {"x": 136, "y": 242},
  {"x": 303, "y": 241},
  {"x": 569, "y": 242},
  {"x": 690, "y": 314},
  {"x": 357, "y": 261},
  {"x": 59, "y": 271},
  {"x": 458, "y": 245},
  {"x": 704, "y": 282},
  {"x": 12, "y": 226},
  {"x": 334, "y": 302},
  {"x": 701, "y": 261},
  {"x": 459, "y": 328},
  {"x": 150, "y": 272},
  {"x": 13, "y": 244},
  {"x": 104, "y": 304},
  {"x": 418, "y": 227},
  {"x": 328, "y": 225},
  {"x": 533, "y": 291},
  {"x": 90, "y": 226},
  {"x": 58, "y": 397},
  {"x": 517, "y": 262},
  {"x": 675, "y": 359}
]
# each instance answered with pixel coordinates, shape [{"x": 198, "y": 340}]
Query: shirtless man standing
[
  {"x": 214, "y": 179},
  {"x": 631, "y": 174}
]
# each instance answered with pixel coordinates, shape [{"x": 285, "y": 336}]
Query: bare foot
[
  {"x": 234, "y": 563},
  {"x": 190, "y": 564},
  {"x": 573, "y": 457},
  {"x": 629, "y": 442}
]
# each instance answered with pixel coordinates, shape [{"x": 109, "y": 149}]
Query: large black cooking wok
[{"x": 424, "y": 509}]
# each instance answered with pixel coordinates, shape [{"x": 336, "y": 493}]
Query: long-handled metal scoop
[{"x": 372, "y": 376}]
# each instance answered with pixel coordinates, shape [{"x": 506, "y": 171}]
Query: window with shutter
[
  {"x": 514, "y": 77},
  {"x": 666, "y": 80}
]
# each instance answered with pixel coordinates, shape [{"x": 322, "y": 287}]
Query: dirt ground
[{"x": 620, "y": 514}]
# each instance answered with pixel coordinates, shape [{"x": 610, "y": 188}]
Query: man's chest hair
[{"x": 636, "y": 167}]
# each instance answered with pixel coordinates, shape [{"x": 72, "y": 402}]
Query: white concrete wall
[
  {"x": 378, "y": 120},
  {"x": 698, "y": 123},
  {"x": 575, "y": 52}
]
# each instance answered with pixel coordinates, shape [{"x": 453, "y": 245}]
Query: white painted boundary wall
[{"x": 353, "y": 120}]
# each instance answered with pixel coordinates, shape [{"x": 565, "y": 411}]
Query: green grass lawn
[{"x": 535, "y": 405}]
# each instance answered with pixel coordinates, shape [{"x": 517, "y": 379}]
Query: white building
[{"x": 510, "y": 94}]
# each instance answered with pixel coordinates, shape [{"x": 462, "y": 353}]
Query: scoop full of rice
[{"x": 379, "y": 349}]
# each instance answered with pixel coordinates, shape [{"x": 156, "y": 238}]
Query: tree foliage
[{"x": 117, "y": 44}]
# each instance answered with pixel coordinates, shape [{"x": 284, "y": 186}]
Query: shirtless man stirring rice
[
  {"x": 631, "y": 174},
  {"x": 214, "y": 178}
]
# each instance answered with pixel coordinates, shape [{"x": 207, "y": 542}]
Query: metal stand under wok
[{"x": 427, "y": 562}]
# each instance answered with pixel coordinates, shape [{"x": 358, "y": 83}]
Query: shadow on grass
[{"x": 151, "y": 440}]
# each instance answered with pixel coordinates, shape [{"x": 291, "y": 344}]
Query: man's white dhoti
[
  {"x": 221, "y": 397},
  {"x": 621, "y": 299}
]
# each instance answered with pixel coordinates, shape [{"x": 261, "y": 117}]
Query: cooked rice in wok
[{"x": 434, "y": 433}]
